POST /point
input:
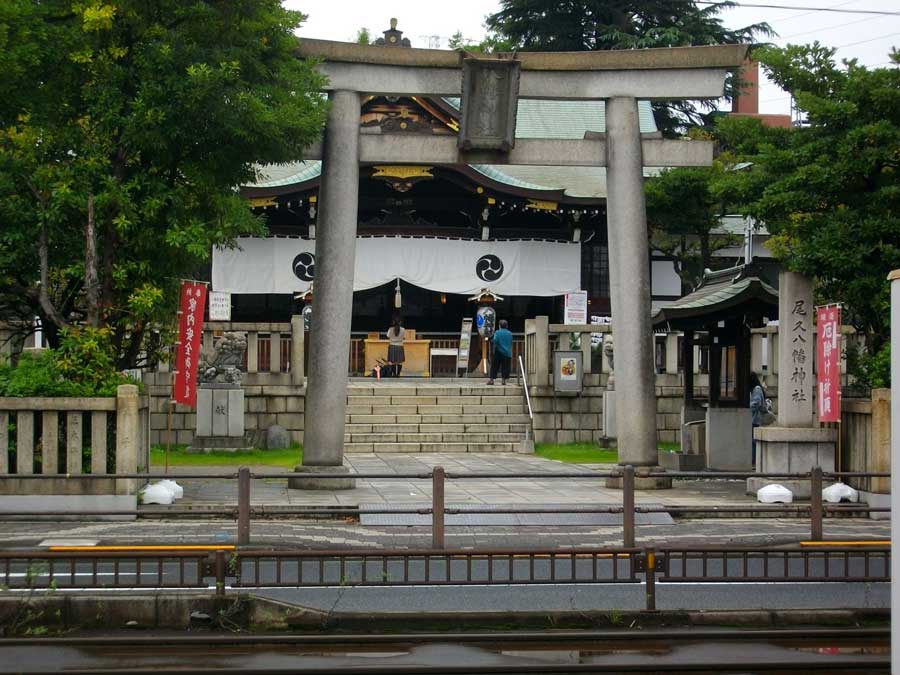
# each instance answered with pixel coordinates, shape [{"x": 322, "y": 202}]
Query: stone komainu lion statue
[{"x": 224, "y": 363}]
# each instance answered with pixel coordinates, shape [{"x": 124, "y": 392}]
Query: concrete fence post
[
  {"x": 243, "y": 526},
  {"x": 219, "y": 568},
  {"x": 437, "y": 507},
  {"x": 628, "y": 506},
  {"x": 650, "y": 572},
  {"x": 297, "y": 347},
  {"x": 815, "y": 504},
  {"x": 879, "y": 458},
  {"x": 541, "y": 350},
  {"x": 672, "y": 353},
  {"x": 128, "y": 436}
]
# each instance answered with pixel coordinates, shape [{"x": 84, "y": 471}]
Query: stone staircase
[{"x": 397, "y": 416}]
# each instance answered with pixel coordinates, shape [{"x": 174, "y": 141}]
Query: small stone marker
[{"x": 277, "y": 438}]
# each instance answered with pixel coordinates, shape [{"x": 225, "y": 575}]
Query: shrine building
[{"x": 442, "y": 233}]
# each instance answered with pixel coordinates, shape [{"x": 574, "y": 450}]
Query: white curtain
[{"x": 285, "y": 265}]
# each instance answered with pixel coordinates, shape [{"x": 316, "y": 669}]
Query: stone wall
[
  {"x": 269, "y": 398},
  {"x": 569, "y": 418}
]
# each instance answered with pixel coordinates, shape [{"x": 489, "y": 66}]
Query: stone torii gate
[{"x": 489, "y": 87}]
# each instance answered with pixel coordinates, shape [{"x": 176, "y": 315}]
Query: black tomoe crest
[
  {"x": 489, "y": 268},
  {"x": 304, "y": 266}
]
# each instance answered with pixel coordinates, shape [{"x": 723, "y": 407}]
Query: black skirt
[{"x": 396, "y": 354}]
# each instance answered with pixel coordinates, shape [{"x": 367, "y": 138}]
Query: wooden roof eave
[{"x": 475, "y": 179}]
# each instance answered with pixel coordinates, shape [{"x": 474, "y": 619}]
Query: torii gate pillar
[
  {"x": 629, "y": 275},
  {"x": 326, "y": 391}
]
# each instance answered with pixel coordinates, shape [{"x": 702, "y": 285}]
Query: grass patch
[
  {"x": 577, "y": 453},
  {"x": 587, "y": 453},
  {"x": 669, "y": 447},
  {"x": 178, "y": 456}
]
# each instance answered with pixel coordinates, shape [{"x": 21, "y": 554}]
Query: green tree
[
  {"x": 829, "y": 190},
  {"x": 363, "y": 37},
  {"x": 682, "y": 213},
  {"x": 592, "y": 25},
  {"x": 125, "y": 128}
]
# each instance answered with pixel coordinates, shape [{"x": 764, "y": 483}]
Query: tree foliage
[
  {"x": 125, "y": 128},
  {"x": 683, "y": 212},
  {"x": 592, "y": 25},
  {"x": 828, "y": 191}
]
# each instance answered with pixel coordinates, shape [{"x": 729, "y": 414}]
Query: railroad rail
[{"x": 189, "y": 653}]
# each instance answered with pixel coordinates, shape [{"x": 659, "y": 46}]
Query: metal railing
[
  {"x": 458, "y": 567},
  {"x": 52, "y": 570},
  {"x": 105, "y": 569},
  {"x": 524, "y": 377},
  {"x": 244, "y": 511}
]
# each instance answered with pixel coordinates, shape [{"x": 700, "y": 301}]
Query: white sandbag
[
  {"x": 840, "y": 492},
  {"x": 156, "y": 494},
  {"x": 772, "y": 494},
  {"x": 173, "y": 487}
]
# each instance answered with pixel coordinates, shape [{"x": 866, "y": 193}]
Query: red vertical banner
[
  {"x": 190, "y": 332},
  {"x": 828, "y": 353}
]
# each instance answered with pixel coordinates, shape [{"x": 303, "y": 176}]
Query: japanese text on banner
[
  {"x": 828, "y": 348},
  {"x": 190, "y": 332}
]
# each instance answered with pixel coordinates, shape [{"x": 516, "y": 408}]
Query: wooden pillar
[
  {"x": 687, "y": 362},
  {"x": 715, "y": 369},
  {"x": 742, "y": 376}
]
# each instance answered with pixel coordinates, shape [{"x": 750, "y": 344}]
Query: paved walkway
[
  {"x": 319, "y": 534},
  {"x": 525, "y": 491}
]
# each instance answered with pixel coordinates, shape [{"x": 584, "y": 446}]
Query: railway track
[{"x": 795, "y": 650}]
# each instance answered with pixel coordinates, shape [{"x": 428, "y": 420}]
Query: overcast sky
[{"x": 866, "y": 37}]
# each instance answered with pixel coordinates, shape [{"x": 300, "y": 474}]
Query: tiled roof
[{"x": 718, "y": 292}]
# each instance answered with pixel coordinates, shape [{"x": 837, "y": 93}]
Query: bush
[
  {"x": 871, "y": 371},
  {"x": 84, "y": 365}
]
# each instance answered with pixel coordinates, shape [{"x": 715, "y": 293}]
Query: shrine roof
[
  {"x": 535, "y": 119},
  {"x": 724, "y": 293}
]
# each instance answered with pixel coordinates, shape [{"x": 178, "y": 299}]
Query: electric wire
[{"x": 811, "y": 10}]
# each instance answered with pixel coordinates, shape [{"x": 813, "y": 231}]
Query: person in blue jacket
[
  {"x": 757, "y": 410},
  {"x": 502, "y": 353}
]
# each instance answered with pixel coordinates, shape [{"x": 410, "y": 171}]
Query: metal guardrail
[
  {"x": 245, "y": 569},
  {"x": 244, "y": 512},
  {"x": 458, "y": 567},
  {"x": 42, "y": 569}
]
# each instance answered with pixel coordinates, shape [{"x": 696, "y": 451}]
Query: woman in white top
[{"x": 396, "y": 354}]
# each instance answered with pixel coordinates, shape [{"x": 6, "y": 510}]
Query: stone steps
[{"x": 434, "y": 418}]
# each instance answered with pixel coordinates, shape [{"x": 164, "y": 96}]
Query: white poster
[
  {"x": 465, "y": 339},
  {"x": 287, "y": 265},
  {"x": 576, "y": 308},
  {"x": 219, "y": 306}
]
